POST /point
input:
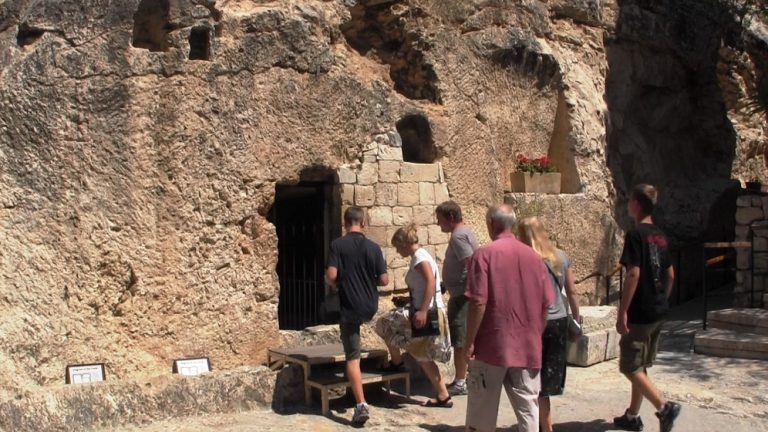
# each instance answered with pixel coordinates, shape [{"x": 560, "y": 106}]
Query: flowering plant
[{"x": 539, "y": 165}]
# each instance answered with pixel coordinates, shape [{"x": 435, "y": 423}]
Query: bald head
[{"x": 500, "y": 219}]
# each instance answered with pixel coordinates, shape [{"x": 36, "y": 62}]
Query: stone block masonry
[
  {"x": 394, "y": 194},
  {"x": 752, "y": 226}
]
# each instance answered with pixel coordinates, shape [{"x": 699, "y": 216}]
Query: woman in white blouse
[{"x": 397, "y": 327}]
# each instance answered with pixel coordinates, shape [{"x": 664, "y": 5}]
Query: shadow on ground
[
  {"x": 344, "y": 404},
  {"x": 592, "y": 426}
]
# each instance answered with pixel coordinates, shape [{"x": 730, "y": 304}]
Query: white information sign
[
  {"x": 82, "y": 374},
  {"x": 190, "y": 367}
]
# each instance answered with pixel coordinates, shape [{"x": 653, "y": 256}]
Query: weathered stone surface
[
  {"x": 389, "y": 171},
  {"x": 592, "y": 348},
  {"x": 743, "y": 201},
  {"x": 364, "y": 195},
  {"x": 423, "y": 233},
  {"x": 380, "y": 216},
  {"x": 378, "y": 234},
  {"x": 598, "y": 317},
  {"x": 368, "y": 174},
  {"x": 84, "y": 407},
  {"x": 747, "y": 215},
  {"x": 402, "y": 215},
  {"x": 416, "y": 172},
  {"x": 386, "y": 194},
  {"x": 399, "y": 276},
  {"x": 389, "y": 153},
  {"x": 437, "y": 236},
  {"x": 440, "y": 252},
  {"x": 426, "y": 193},
  {"x": 347, "y": 175},
  {"x": 441, "y": 193},
  {"x": 394, "y": 260},
  {"x": 408, "y": 194},
  {"x": 347, "y": 194},
  {"x": 424, "y": 215}
]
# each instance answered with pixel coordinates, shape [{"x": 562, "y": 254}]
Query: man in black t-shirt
[
  {"x": 644, "y": 304},
  {"x": 356, "y": 266}
]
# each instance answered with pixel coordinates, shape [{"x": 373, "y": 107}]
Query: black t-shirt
[
  {"x": 359, "y": 262},
  {"x": 646, "y": 247}
]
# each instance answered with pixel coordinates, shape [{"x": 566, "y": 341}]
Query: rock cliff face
[{"x": 141, "y": 143}]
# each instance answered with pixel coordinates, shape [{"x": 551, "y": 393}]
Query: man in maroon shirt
[{"x": 509, "y": 291}]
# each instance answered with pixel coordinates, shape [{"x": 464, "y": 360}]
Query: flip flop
[{"x": 445, "y": 403}]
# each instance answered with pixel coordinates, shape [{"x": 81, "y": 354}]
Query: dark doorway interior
[
  {"x": 306, "y": 218},
  {"x": 200, "y": 44}
]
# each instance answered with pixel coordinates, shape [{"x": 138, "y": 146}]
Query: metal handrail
[{"x": 608, "y": 277}]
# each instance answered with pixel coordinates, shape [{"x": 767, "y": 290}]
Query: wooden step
[
  {"x": 752, "y": 320},
  {"x": 727, "y": 343}
]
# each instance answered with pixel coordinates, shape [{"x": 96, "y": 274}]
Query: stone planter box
[{"x": 545, "y": 183}]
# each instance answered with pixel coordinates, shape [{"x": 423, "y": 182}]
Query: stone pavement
[{"x": 718, "y": 394}]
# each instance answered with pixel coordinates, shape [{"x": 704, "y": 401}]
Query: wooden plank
[
  {"x": 328, "y": 380},
  {"x": 322, "y": 354}
]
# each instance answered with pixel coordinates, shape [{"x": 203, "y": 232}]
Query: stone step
[
  {"x": 745, "y": 320},
  {"x": 593, "y": 348},
  {"x": 765, "y": 301},
  {"x": 727, "y": 343}
]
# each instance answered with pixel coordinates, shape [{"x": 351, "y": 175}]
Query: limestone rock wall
[{"x": 141, "y": 143}]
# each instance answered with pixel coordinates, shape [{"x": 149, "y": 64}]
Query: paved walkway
[{"x": 717, "y": 394}]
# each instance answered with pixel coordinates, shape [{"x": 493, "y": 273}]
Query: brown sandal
[{"x": 445, "y": 403}]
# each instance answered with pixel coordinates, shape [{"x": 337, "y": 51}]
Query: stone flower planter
[{"x": 545, "y": 183}]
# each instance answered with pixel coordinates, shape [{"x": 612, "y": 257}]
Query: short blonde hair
[{"x": 405, "y": 236}]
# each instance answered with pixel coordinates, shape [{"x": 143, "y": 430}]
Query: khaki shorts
[
  {"x": 639, "y": 347},
  {"x": 484, "y": 383},
  {"x": 458, "y": 308}
]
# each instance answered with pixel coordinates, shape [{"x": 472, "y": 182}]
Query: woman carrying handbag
[
  {"x": 561, "y": 325},
  {"x": 422, "y": 328}
]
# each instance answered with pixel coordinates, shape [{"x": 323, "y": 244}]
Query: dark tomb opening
[
  {"x": 306, "y": 217},
  {"x": 27, "y": 35},
  {"x": 151, "y": 25},
  {"x": 200, "y": 44},
  {"x": 416, "y": 134}
]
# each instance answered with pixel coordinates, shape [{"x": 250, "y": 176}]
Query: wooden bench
[
  {"x": 317, "y": 355},
  {"x": 327, "y": 382}
]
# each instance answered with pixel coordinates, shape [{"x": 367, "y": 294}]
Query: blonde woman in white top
[{"x": 423, "y": 280}]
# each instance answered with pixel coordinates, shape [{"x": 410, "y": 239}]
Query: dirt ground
[{"x": 718, "y": 394}]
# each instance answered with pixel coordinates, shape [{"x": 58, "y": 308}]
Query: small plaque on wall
[
  {"x": 85, "y": 373},
  {"x": 192, "y": 366}
]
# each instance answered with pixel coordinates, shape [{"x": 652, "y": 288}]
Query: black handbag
[{"x": 431, "y": 327}]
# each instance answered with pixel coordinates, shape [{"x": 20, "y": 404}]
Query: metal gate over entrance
[{"x": 306, "y": 219}]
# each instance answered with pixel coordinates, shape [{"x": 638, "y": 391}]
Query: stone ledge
[
  {"x": 593, "y": 348},
  {"x": 110, "y": 404},
  {"x": 725, "y": 343}
]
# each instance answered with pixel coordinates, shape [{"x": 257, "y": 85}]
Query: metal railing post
[
  {"x": 704, "y": 284},
  {"x": 752, "y": 265}
]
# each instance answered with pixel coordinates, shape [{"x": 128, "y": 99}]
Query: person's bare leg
[
  {"x": 355, "y": 380},
  {"x": 394, "y": 355},
  {"x": 460, "y": 361},
  {"x": 545, "y": 415},
  {"x": 642, "y": 387},
  {"x": 433, "y": 373}
]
